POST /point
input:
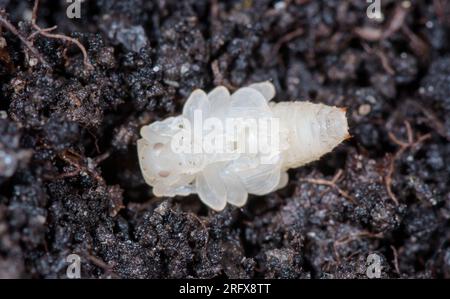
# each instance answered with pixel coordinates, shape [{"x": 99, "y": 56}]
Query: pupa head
[{"x": 169, "y": 172}]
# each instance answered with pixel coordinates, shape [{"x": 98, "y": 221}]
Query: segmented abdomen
[{"x": 312, "y": 130}]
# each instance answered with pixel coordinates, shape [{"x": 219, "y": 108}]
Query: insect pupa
[{"x": 175, "y": 159}]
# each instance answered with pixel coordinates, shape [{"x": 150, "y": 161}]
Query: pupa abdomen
[
  {"x": 223, "y": 169},
  {"x": 312, "y": 130}
]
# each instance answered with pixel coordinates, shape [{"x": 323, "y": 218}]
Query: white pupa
[{"x": 305, "y": 132}]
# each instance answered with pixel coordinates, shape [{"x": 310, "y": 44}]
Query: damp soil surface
[{"x": 69, "y": 175}]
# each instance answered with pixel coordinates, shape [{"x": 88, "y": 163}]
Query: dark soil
[{"x": 69, "y": 175}]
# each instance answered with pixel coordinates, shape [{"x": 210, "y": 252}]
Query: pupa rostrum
[{"x": 225, "y": 146}]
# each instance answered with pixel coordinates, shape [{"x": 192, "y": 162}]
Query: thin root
[
  {"x": 218, "y": 77},
  {"x": 403, "y": 147},
  {"x": 287, "y": 38},
  {"x": 353, "y": 237},
  {"x": 5, "y": 23},
  {"x": 332, "y": 184},
  {"x": 81, "y": 166},
  {"x": 46, "y": 32},
  {"x": 397, "y": 268}
]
